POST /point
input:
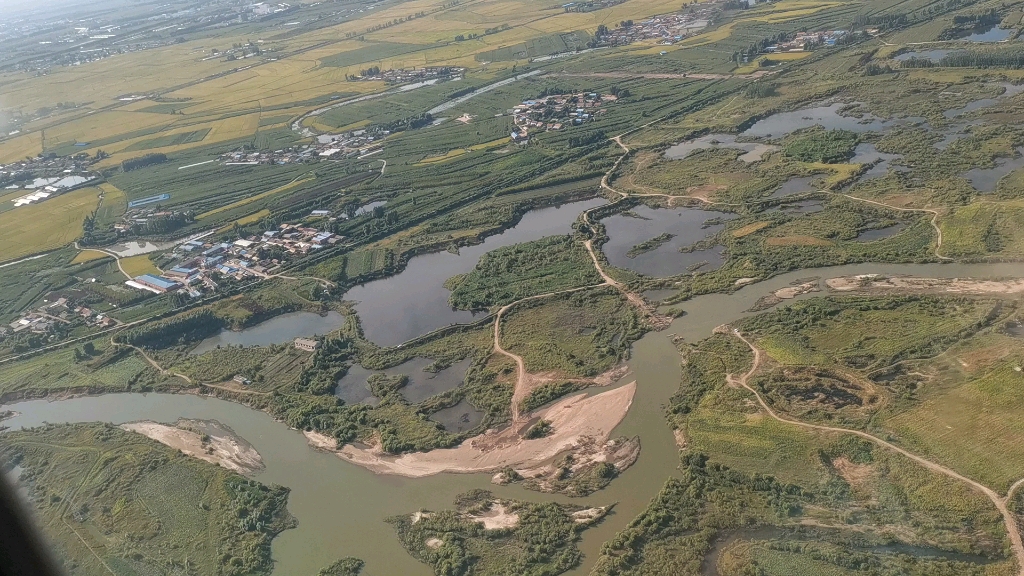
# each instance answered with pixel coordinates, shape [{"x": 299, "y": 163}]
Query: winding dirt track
[
  {"x": 522, "y": 388},
  {"x": 999, "y": 501},
  {"x": 934, "y": 220}
]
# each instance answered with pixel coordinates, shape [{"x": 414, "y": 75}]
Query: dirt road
[
  {"x": 523, "y": 385},
  {"x": 1000, "y": 502}
]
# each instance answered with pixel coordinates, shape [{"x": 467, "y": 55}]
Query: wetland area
[{"x": 340, "y": 507}]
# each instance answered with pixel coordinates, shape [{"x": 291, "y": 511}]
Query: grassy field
[
  {"x": 109, "y": 499},
  {"x": 43, "y": 226}
]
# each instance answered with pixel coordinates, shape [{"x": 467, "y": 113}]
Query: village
[
  {"x": 353, "y": 144},
  {"x": 555, "y": 111},
  {"x": 43, "y": 177},
  {"x": 199, "y": 267},
  {"x": 665, "y": 28},
  {"x": 408, "y": 75}
]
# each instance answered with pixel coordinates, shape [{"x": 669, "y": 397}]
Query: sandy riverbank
[
  {"x": 577, "y": 420},
  {"x": 206, "y": 440},
  {"x": 880, "y": 284}
]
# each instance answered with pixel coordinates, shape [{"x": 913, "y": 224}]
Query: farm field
[{"x": 43, "y": 226}]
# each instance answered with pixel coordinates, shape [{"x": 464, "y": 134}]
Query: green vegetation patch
[
  {"x": 579, "y": 334},
  {"x": 515, "y": 272},
  {"x": 485, "y": 536},
  {"x": 867, "y": 332},
  {"x": 820, "y": 145},
  {"x": 542, "y": 46},
  {"x": 170, "y": 140},
  {"x": 110, "y": 498},
  {"x": 372, "y": 52}
]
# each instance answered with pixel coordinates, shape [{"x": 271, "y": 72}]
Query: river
[{"x": 341, "y": 507}]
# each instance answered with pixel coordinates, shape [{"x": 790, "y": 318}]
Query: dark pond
[
  {"x": 933, "y": 55},
  {"x": 783, "y": 123},
  {"x": 422, "y": 384},
  {"x": 866, "y": 153},
  {"x": 880, "y": 233},
  {"x": 985, "y": 179},
  {"x": 278, "y": 330},
  {"x": 993, "y": 34},
  {"x": 1009, "y": 90},
  {"x": 1014, "y": 328},
  {"x": 795, "y": 186},
  {"x": 397, "y": 309},
  {"x": 754, "y": 150},
  {"x": 458, "y": 418},
  {"x": 686, "y": 224}
]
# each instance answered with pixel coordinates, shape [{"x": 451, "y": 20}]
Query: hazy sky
[{"x": 24, "y": 5}]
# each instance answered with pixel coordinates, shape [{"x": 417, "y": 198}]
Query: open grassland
[
  {"x": 46, "y": 225},
  {"x": 109, "y": 499},
  {"x": 579, "y": 334}
]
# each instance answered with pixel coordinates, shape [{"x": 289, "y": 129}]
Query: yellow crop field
[
  {"x": 18, "y": 148},
  {"x": 139, "y": 265},
  {"x": 45, "y": 225},
  {"x": 460, "y": 151},
  {"x": 251, "y": 199},
  {"x": 88, "y": 256}
]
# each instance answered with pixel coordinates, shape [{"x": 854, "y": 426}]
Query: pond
[
  {"x": 805, "y": 207},
  {"x": 985, "y": 180},
  {"x": 828, "y": 116},
  {"x": 422, "y": 384},
  {"x": 687, "y": 225},
  {"x": 1009, "y": 90},
  {"x": 866, "y": 153},
  {"x": 795, "y": 186},
  {"x": 993, "y": 34},
  {"x": 278, "y": 330},
  {"x": 755, "y": 151},
  {"x": 399, "y": 308},
  {"x": 459, "y": 418}
]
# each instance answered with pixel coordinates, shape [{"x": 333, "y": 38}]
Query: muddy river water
[{"x": 340, "y": 507}]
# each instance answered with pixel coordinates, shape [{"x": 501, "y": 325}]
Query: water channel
[
  {"x": 340, "y": 507},
  {"x": 399, "y": 308}
]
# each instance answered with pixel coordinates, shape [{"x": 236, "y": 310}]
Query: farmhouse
[
  {"x": 155, "y": 283},
  {"x": 307, "y": 344}
]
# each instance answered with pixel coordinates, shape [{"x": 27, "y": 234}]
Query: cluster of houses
[
  {"x": 200, "y": 265},
  {"x": 41, "y": 320},
  {"x": 805, "y": 40},
  {"x": 44, "y": 177},
  {"x": 665, "y": 28},
  {"x": 406, "y": 75},
  {"x": 555, "y": 111},
  {"x": 351, "y": 144}
]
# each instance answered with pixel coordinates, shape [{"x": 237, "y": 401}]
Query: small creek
[
  {"x": 932, "y": 55},
  {"x": 686, "y": 224},
  {"x": 340, "y": 507},
  {"x": 278, "y": 330},
  {"x": 399, "y": 308}
]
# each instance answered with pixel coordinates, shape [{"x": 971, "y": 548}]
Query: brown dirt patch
[
  {"x": 856, "y": 475},
  {"x": 749, "y": 229}
]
